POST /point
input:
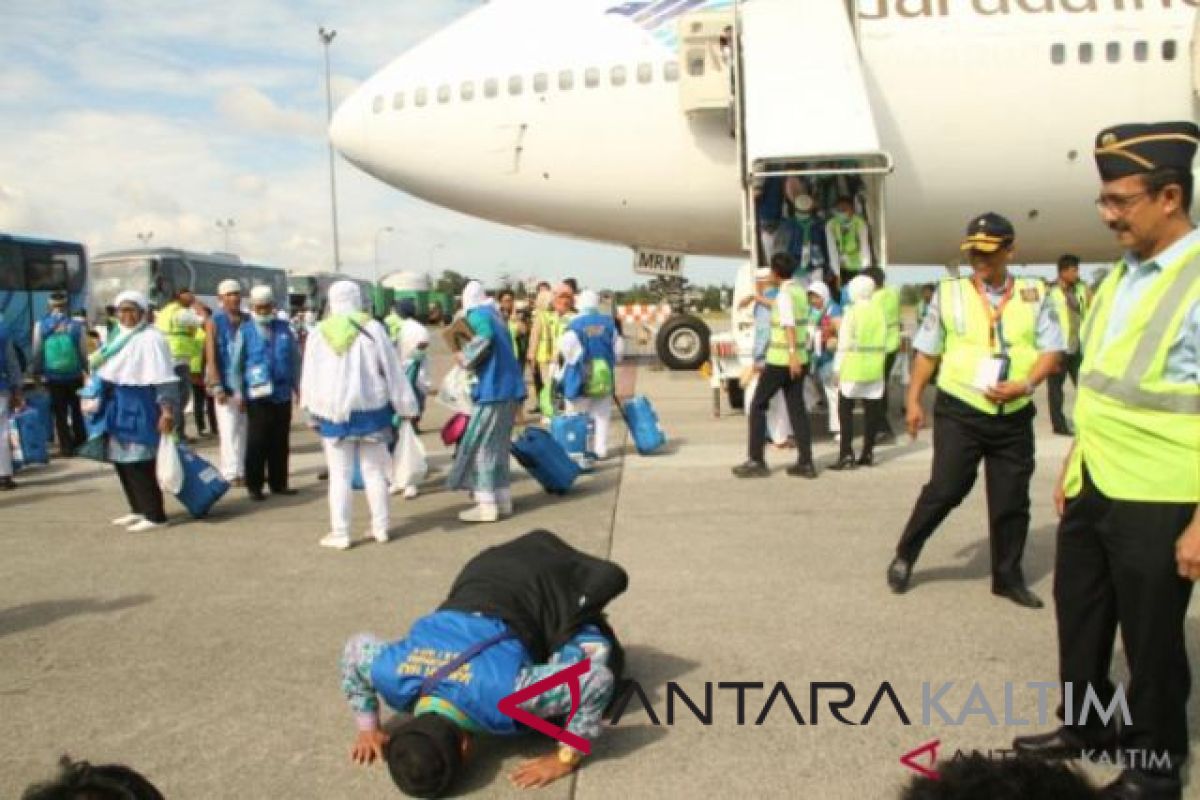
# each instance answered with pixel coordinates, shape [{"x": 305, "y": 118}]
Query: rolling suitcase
[
  {"x": 545, "y": 460},
  {"x": 643, "y": 424},
  {"x": 202, "y": 486},
  {"x": 571, "y": 431}
]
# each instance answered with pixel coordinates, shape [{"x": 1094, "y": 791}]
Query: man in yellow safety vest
[
  {"x": 1070, "y": 298},
  {"x": 178, "y": 321},
  {"x": 1129, "y": 541},
  {"x": 995, "y": 338}
]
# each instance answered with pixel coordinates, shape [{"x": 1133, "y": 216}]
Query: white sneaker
[
  {"x": 338, "y": 541},
  {"x": 382, "y": 538},
  {"x": 145, "y": 525},
  {"x": 410, "y": 492},
  {"x": 480, "y": 513},
  {"x": 128, "y": 519}
]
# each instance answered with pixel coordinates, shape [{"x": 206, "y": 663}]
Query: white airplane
[{"x": 635, "y": 123}]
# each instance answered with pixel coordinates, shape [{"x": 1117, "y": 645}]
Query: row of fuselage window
[
  {"x": 1086, "y": 52},
  {"x": 540, "y": 84}
]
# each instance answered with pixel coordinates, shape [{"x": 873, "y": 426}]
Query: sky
[{"x": 120, "y": 117}]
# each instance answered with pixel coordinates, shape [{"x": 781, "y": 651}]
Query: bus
[
  {"x": 310, "y": 292},
  {"x": 159, "y": 273},
  {"x": 30, "y": 270}
]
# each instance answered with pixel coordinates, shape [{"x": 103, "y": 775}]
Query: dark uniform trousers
[
  {"x": 774, "y": 379},
  {"x": 1054, "y": 387},
  {"x": 268, "y": 445},
  {"x": 1116, "y": 567},
  {"x": 68, "y": 414},
  {"x": 885, "y": 425},
  {"x": 962, "y": 437}
]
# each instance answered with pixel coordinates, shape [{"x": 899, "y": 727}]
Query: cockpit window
[{"x": 591, "y": 77}]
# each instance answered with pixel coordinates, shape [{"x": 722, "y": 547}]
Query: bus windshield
[{"x": 111, "y": 277}]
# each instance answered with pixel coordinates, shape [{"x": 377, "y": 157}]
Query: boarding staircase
[{"x": 797, "y": 96}]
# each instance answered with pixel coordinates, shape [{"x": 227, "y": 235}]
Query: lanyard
[{"x": 994, "y": 312}]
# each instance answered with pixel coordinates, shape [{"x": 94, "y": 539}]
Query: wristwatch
[{"x": 569, "y": 756}]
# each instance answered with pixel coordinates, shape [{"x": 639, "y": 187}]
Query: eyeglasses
[{"x": 1119, "y": 203}]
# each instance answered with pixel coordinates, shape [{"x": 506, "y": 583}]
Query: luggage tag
[{"x": 258, "y": 380}]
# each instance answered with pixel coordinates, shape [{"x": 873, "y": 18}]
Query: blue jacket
[
  {"x": 596, "y": 333},
  {"x": 226, "y": 335},
  {"x": 131, "y": 413},
  {"x": 273, "y": 357},
  {"x": 501, "y": 378},
  {"x": 475, "y": 689},
  {"x": 74, "y": 329},
  {"x": 361, "y": 423}
]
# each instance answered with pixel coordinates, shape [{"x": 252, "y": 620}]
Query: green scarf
[
  {"x": 341, "y": 330},
  {"x": 112, "y": 347}
]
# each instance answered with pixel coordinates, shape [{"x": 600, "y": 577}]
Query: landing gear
[{"x": 682, "y": 343}]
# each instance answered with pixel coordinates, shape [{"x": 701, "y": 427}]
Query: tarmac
[{"x": 206, "y": 655}]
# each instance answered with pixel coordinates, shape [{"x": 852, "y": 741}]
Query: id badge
[{"x": 258, "y": 379}]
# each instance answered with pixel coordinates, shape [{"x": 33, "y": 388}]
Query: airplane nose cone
[{"x": 348, "y": 129}]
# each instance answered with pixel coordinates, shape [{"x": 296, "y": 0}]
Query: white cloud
[{"x": 252, "y": 110}]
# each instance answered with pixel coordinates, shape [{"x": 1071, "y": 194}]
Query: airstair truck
[{"x": 779, "y": 136}]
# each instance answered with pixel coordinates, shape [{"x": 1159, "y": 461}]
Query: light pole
[
  {"x": 378, "y": 233},
  {"x": 145, "y": 237},
  {"x": 326, "y": 37},
  {"x": 432, "y": 250},
  {"x": 226, "y": 225}
]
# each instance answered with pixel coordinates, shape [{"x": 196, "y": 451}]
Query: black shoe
[
  {"x": 323, "y": 475},
  {"x": 285, "y": 491},
  {"x": 1065, "y": 743},
  {"x": 898, "y": 574},
  {"x": 7, "y": 484},
  {"x": 802, "y": 471},
  {"x": 1136, "y": 785},
  {"x": 1063, "y": 432},
  {"x": 844, "y": 463},
  {"x": 866, "y": 460},
  {"x": 752, "y": 469},
  {"x": 257, "y": 495},
  {"x": 1020, "y": 595}
]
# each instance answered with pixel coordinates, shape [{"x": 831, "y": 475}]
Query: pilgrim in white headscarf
[
  {"x": 352, "y": 386},
  {"x": 139, "y": 393},
  {"x": 482, "y": 463},
  {"x": 859, "y": 366},
  {"x": 824, "y": 319},
  {"x": 591, "y": 348}
]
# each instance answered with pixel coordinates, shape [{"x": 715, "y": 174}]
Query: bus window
[
  {"x": 112, "y": 276},
  {"x": 12, "y": 276}
]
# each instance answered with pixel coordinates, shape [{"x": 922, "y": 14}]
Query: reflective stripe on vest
[
  {"x": 777, "y": 349},
  {"x": 968, "y": 339},
  {"x": 866, "y": 330},
  {"x": 1138, "y": 433},
  {"x": 179, "y": 337}
]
